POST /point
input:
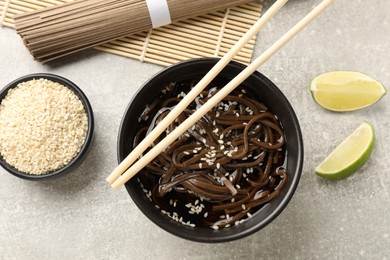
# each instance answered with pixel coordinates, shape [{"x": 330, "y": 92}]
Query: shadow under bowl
[
  {"x": 79, "y": 158},
  {"x": 264, "y": 91}
]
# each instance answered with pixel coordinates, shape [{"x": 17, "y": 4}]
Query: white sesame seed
[
  {"x": 37, "y": 151},
  {"x": 200, "y": 165}
]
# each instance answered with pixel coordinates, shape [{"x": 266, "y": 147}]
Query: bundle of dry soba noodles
[{"x": 64, "y": 29}]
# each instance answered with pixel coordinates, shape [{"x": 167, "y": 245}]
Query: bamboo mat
[{"x": 210, "y": 35}]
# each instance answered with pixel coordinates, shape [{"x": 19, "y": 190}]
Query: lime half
[
  {"x": 350, "y": 155},
  {"x": 346, "y": 90}
]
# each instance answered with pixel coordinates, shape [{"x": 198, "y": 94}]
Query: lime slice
[
  {"x": 346, "y": 90},
  {"x": 350, "y": 155}
]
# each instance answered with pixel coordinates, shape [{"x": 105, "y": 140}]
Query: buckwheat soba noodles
[{"x": 223, "y": 169}]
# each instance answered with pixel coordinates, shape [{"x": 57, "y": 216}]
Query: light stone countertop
[{"x": 79, "y": 217}]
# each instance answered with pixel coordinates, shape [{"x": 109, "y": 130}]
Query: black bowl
[
  {"x": 79, "y": 158},
  {"x": 265, "y": 91}
]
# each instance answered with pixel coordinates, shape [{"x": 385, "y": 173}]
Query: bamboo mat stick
[
  {"x": 194, "y": 93},
  {"x": 219, "y": 96}
]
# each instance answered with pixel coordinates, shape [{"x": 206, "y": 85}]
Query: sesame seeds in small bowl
[{"x": 46, "y": 124}]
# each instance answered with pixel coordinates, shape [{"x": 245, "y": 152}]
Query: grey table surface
[{"x": 80, "y": 217}]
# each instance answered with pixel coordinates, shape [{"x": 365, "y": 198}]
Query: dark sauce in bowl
[{"x": 259, "y": 88}]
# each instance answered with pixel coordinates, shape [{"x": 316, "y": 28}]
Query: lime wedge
[
  {"x": 346, "y": 90},
  {"x": 350, "y": 155}
]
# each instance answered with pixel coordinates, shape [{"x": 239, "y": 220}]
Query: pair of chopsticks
[{"x": 126, "y": 169}]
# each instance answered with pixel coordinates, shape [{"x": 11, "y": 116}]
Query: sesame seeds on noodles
[
  {"x": 226, "y": 167},
  {"x": 43, "y": 126}
]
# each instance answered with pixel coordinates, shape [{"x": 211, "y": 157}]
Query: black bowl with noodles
[
  {"x": 262, "y": 90},
  {"x": 79, "y": 157}
]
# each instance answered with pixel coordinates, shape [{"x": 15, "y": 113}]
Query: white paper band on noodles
[{"x": 159, "y": 12}]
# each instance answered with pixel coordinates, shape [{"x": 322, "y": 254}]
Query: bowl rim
[
  {"x": 83, "y": 150},
  {"x": 289, "y": 193}
]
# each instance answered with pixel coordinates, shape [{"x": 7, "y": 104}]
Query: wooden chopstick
[
  {"x": 219, "y": 96},
  {"x": 146, "y": 142}
]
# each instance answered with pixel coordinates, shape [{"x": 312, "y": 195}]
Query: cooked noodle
[{"x": 223, "y": 169}]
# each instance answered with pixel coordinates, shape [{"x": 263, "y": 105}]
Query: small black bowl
[
  {"x": 79, "y": 158},
  {"x": 266, "y": 92}
]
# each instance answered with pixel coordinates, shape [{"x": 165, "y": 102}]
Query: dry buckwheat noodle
[
  {"x": 221, "y": 170},
  {"x": 60, "y": 30}
]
